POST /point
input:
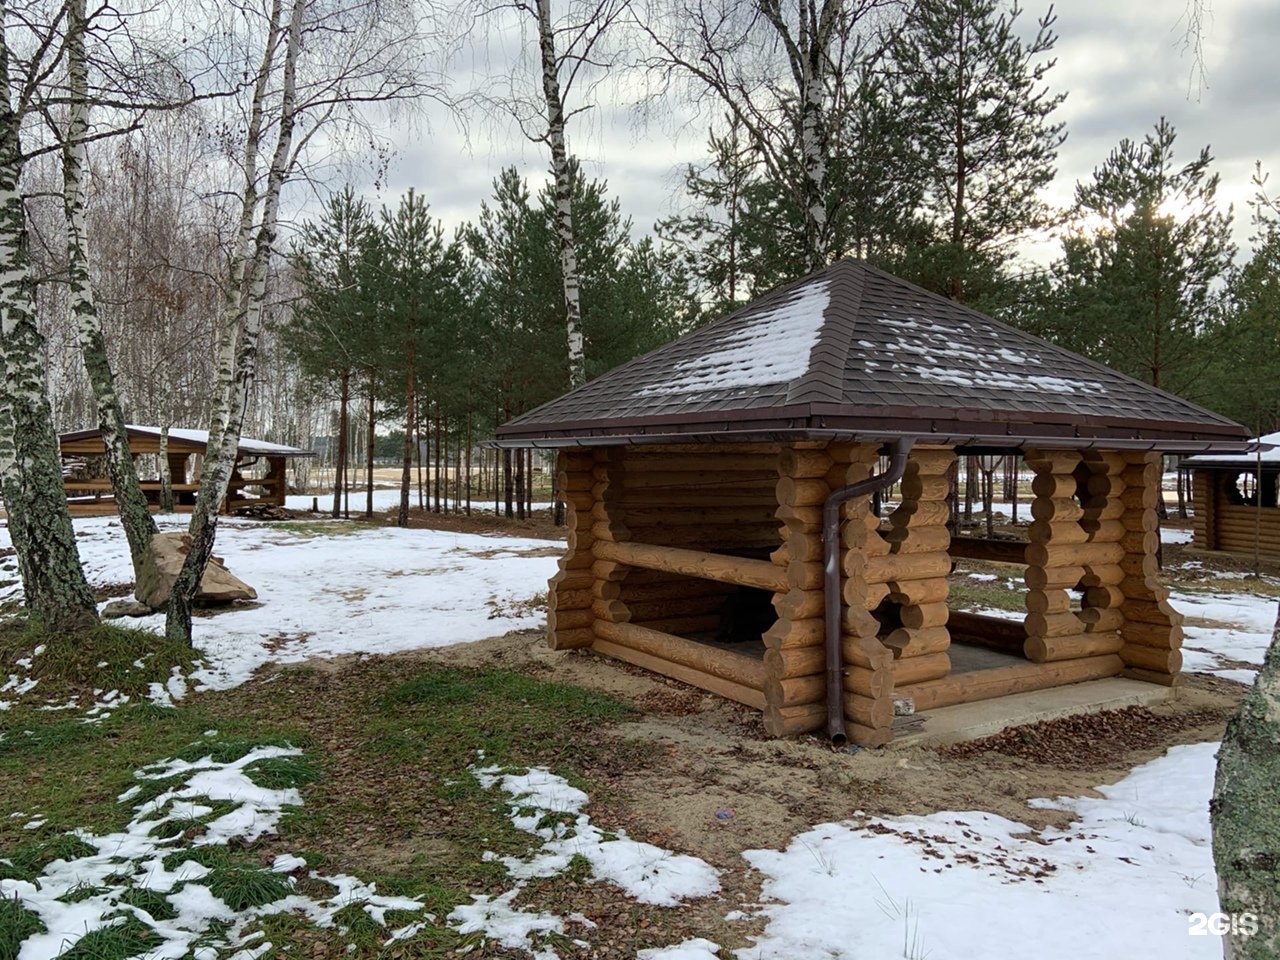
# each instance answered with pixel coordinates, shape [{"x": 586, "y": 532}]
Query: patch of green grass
[
  {"x": 81, "y": 892},
  {"x": 104, "y": 657},
  {"x": 280, "y": 773},
  {"x": 213, "y": 856},
  {"x": 127, "y": 938},
  {"x": 154, "y": 904},
  {"x": 27, "y": 861},
  {"x": 965, "y": 592},
  {"x": 44, "y": 739},
  {"x": 16, "y": 924},
  {"x": 243, "y": 887}
]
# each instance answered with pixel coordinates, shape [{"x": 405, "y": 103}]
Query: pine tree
[
  {"x": 328, "y": 334},
  {"x": 1248, "y": 336},
  {"x": 975, "y": 95},
  {"x": 1136, "y": 284}
]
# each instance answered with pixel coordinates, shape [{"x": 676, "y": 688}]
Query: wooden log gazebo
[
  {"x": 696, "y": 478},
  {"x": 258, "y": 477}
]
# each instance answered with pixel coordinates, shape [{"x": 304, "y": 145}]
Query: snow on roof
[
  {"x": 1270, "y": 454},
  {"x": 749, "y": 355},
  {"x": 247, "y": 444}
]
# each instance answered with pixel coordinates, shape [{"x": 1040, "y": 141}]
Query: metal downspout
[{"x": 899, "y": 450}]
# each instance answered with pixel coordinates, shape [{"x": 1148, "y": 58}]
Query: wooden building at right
[{"x": 1235, "y": 500}]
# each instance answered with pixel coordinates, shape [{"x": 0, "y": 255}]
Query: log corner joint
[{"x": 899, "y": 451}]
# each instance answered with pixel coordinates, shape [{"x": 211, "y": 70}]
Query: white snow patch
[
  {"x": 357, "y": 590},
  {"x": 769, "y": 348},
  {"x": 548, "y": 807},
  {"x": 1247, "y": 624},
  {"x": 698, "y": 948},
  {"x": 928, "y": 884}
]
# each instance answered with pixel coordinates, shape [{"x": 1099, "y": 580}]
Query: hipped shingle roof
[{"x": 852, "y": 352}]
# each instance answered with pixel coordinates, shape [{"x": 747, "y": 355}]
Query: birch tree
[
  {"x": 57, "y": 594},
  {"x": 354, "y": 54},
  {"x": 577, "y": 50},
  {"x": 785, "y": 74},
  {"x": 135, "y": 516}
]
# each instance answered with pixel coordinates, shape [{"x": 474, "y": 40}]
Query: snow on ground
[
  {"x": 1173, "y": 535},
  {"x": 353, "y": 590},
  {"x": 547, "y": 806},
  {"x": 957, "y": 885},
  {"x": 144, "y": 871},
  {"x": 1242, "y": 625}
]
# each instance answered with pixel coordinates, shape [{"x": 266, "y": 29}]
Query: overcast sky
[{"x": 1122, "y": 63}]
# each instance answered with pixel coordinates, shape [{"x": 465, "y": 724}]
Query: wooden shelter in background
[
  {"x": 1234, "y": 498},
  {"x": 259, "y": 476},
  {"x": 696, "y": 478}
]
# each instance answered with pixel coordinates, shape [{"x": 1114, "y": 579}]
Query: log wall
[
  {"x": 1219, "y": 524},
  {"x": 659, "y": 535}
]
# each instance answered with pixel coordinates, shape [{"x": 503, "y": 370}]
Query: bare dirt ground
[{"x": 725, "y": 787}]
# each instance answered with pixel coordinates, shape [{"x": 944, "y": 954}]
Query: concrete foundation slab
[{"x": 970, "y": 721}]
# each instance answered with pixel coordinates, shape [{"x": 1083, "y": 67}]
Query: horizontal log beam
[
  {"x": 977, "y": 548},
  {"x": 714, "y": 661},
  {"x": 1003, "y": 681},
  {"x": 695, "y": 563}
]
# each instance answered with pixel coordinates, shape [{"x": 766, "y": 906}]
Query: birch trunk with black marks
[
  {"x": 57, "y": 594},
  {"x": 243, "y": 311},
  {"x": 814, "y": 55},
  {"x": 131, "y": 503},
  {"x": 563, "y": 196},
  {"x": 166, "y": 474},
  {"x": 1245, "y": 813}
]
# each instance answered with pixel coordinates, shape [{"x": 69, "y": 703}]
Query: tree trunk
[
  {"x": 508, "y": 483},
  {"x": 57, "y": 593},
  {"x": 166, "y": 472},
  {"x": 422, "y": 463},
  {"x": 340, "y": 457},
  {"x": 468, "y": 463},
  {"x": 131, "y": 502},
  {"x": 242, "y": 317},
  {"x": 528, "y": 479},
  {"x": 371, "y": 448},
  {"x": 563, "y": 196},
  {"x": 1245, "y": 813},
  {"x": 410, "y": 415}
]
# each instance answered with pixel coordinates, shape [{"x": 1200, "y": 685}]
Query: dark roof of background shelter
[{"x": 852, "y": 352}]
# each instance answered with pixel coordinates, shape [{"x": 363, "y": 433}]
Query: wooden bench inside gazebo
[
  {"x": 258, "y": 478},
  {"x": 697, "y": 478}
]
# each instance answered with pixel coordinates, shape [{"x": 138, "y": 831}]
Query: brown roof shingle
[{"x": 853, "y": 352}]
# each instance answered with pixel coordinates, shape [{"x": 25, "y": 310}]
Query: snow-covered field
[
  {"x": 360, "y": 590},
  {"x": 951, "y": 885}
]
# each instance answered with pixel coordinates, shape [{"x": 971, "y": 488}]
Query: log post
[
  {"x": 570, "y": 594},
  {"x": 794, "y": 660},
  {"x": 868, "y": 662},
  {"x": 918, "y": 563},
  {"x": 1152, "y": 629},
  {"x": 1055, "y": 556}
]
